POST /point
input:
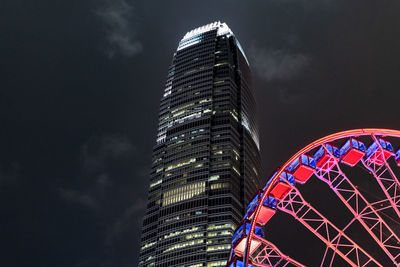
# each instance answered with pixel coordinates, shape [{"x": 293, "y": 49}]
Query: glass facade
[{"x": 206, "y": 160}]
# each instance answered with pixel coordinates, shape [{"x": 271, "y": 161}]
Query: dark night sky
[{"x": 80, "y": 83}]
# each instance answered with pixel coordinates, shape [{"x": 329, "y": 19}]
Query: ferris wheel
[{"x": 326, "y": 159}]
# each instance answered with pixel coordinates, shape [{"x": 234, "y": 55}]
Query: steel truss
[
  {"x": 337, "y": 242},
  {"x": 334, "y": 238},
  {"x": 362, "y": 210},
  {"x": 385, "y": 177},
  {"x": 268, "y": 254}
]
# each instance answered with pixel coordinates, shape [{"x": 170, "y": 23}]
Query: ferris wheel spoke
[
  {"x": 362, "y": 210},
  {"x": 384, "y": 175},
  {"x": 324, "y": 163},
  {"x": 334, "y": 238},
  {"x": 269, "y": 255}
]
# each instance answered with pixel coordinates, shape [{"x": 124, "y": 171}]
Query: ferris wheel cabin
[
  {"x": 282, "y": 186},
  {"x": 239, "y": 238},
  {"x": 302, "y": 168},
  {"x": 267, "y": 210},
  {"x": 352, "y": 152},
  {"x": 373, "y": 152},
  {"x": 397, "y": 157},
  {"x": 323, "y": 154}
]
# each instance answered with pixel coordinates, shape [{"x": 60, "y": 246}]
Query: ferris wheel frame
[{"x": 363, "y": 211}]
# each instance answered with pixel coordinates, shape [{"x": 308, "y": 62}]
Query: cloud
[
  {"x": 83, "y": 198},
  {"x": 97, "y": 151},
  {"x": 129, "y": 219},
  {"x": 117, "y": 17},
  {"x": 278, "y": 64},
  {"x": 110, "y": 188},
  {"x": 97, "y": 156}
]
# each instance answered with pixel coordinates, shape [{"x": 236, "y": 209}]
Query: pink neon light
[{"x": 329, "y": 138}]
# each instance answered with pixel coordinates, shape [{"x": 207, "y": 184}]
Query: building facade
[{"x": 206, "y": 160}]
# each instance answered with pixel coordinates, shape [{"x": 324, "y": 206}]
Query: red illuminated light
[
  {"x": 353, "y": 157},
  {"x": 303, "y": 173},
  {"x": 280, "y": 190}
]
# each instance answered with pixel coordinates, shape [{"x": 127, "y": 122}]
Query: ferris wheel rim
[{"x": 314, "y": 144}]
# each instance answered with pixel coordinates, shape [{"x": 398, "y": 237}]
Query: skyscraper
[{"x": 206, "y": 160}]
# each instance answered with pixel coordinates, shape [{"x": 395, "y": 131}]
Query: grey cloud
[
  {"x": 97, "y": 156},
  {"x": 270, "y": 64},
  {"x": 98, "y": 150},
  {"x": 78, "y": 197},
  {"x": 117, "y": 16},
  {"x": 92, "y": 196},
  {"x": 129, "y": 219}
]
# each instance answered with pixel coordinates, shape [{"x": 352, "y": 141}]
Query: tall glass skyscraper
[{"x": 206, "y": 160}]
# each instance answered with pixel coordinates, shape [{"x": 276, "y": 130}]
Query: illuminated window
[
  {"x": 219, "y": 247},
  {"x": 213, "y": 178},
  {"x": 156, "y": 183},
  {"x": 184, "y": 245},
  {"x": 219, "y": 186},
  {"x": 221, "y": 226},
  {"x": 183, "y": 193},
  {"x": 221, "y": 64},
  {"x": 204, "y": 100},
  {"x": 147, "y": 245},
  {"x": 149, "y": 258},
  {"x": 236, "y": 170},
  {"x": 220, "y": 233},
  {"x": 188, "y": 230},
  {"x": 219, "y": 82},
  {"x": 180, "y": 164},
  {"x": 234, "y": 116},
  {"x": 193, "y": 236},
  {"x": 216, "y": 263}
]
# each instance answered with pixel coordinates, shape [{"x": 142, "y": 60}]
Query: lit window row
[
  {"x": 194, "y": 235},
  {"x": 157, "y": 160},
  {"x": 149, "y": 258},
  {"x": 222, "y": 226},
  {"x": 234, "y": 116},
  {"x": 236, "y": 170},
  {"x": 188, "y": 117},
  {"x": 226, "y": 164},
  {"x": 219, "y": 247},
  {"x": 213, "y": 178},
  {"x": 180, "y": 164},
  {"x": 156, "y": 183},
  {"x": 205, "y": 100},
  {"x": 182, "y": 107},
  {"x": 147, "y": 245},
  {"x": 216, "y": 263},
  {"x": 221, "y": 233},
  {"x": 184, "y": 245},
  {"x": 219, "y": 186},
  {"x": 219, "y": 82},
  {"x": 188, "y": 230},
  {"x": 221, "y": 64},
  {"x": 183, "y": 193}
]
